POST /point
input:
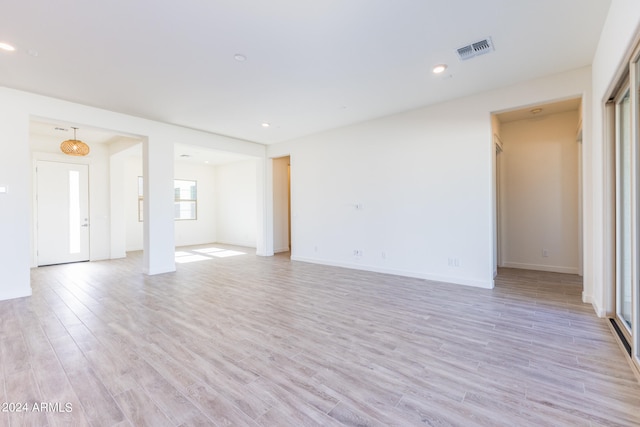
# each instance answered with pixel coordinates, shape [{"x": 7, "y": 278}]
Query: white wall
[
  {"x": 281, "y": 204},
  {"x": 236, "y": 203},
  {"x": 423, "y": 180},
  {"x": 541, "y": 193}
]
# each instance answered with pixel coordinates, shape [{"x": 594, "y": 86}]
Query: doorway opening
[
  {"x": 537, "y": 170},
  {"x": 61, "y": 181},
  {"x": 282, "y": 241}
]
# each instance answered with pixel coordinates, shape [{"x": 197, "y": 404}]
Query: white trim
[
  {"x": 588, "y": 299},
  {"x": 498, "y": 142},
  {"x": 608, "y": 298},
  {"x": 540, "y": 267},
  {"x": 635, "y": 200},
  {"x": 426, "y": 276},
  {"x": 245, "y": 244}
]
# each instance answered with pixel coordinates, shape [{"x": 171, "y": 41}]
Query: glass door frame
[
  {"x": 625, "y": 209},
  {"x": 634, "y": 77},
  {"x": 628, "y": 81}
]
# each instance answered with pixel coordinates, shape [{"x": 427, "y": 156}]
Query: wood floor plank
[
  {"x": 217, "y": 407},
  {"x": 294, "y": 380},
  {"x": 55, "y": 388},
  {"x": 249, "y": 341},
  {"x": 114, "y": 370},
  {"x": 4, "y": 415},
  {"x": 22, "y": 392},
  {"x": 140, "y": 410},
  {"x": 98, "y": 405},
  {"x": 15, "y": 355},
  {"x": 197, "y": 420},
  {"x": 290, "y": 409},
  {"x": 172, "y": 402}
]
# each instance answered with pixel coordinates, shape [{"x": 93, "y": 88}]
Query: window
[
  {"x": 185, "y": 196},
  {"x": 185, "y": 199}
]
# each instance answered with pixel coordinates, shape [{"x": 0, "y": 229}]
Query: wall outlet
[
  {"x": 545, "y": 253},
  {"x": 454, "y": 262},
  {"x": 383, "y": 255},
  {"x": 357, "y": 252}
]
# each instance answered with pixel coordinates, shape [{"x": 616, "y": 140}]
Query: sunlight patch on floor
[{"x": 183, "y": 257}]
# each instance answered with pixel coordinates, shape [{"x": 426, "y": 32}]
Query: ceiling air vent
[{"x": 474, "y": 49}]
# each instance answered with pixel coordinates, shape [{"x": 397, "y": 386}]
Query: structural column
[
  {"x": 264, "y": 229},
  {"x": 15, "y": 202},
  {"x": 158, "y": 205}
]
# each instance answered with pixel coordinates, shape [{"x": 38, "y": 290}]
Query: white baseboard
[
  {"x": 245, "y": 244},
  {"x": 540, "y": 267},
  {"x": 418, "y": 275},
  {"x": 15, "y": 293},
  {"x": 600, "y": 312}
]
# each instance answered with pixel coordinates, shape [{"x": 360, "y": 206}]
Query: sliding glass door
[
  {"x": 624, "y": 211},
  {"x": 625, "y": 124}
]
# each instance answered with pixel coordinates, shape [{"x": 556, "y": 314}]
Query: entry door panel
[{"x": 62, "y": 212}]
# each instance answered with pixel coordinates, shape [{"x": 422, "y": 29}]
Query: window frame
[{"x": 193, "y": 200}]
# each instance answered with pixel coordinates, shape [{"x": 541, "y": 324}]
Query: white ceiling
[
  {"x": 59, "y": 131},
  {"x": 310, "y": 66},
  {"x": 48, "y": 135},
  {"x": 542, "y": 110}
]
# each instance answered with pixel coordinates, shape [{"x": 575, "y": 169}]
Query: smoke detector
[{"x": 475, "y": 49}]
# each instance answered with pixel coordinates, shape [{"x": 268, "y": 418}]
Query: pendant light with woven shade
[{"x": 74, "y": 147}]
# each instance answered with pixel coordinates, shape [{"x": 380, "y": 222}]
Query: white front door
[{"x": 62, "y": 212}]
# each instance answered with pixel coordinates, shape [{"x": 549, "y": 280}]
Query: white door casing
[{"x": 62, "y": 197}]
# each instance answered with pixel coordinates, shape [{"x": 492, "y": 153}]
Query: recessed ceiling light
[
  {"x": 239, "y": 57},
  {"x": 266, "y": 125},
  {"x": 7, "y": 47},
  {"x": 439, "y": 68}
]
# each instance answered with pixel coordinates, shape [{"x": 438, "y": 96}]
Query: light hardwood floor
[{"x": 252, "y": 341}]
